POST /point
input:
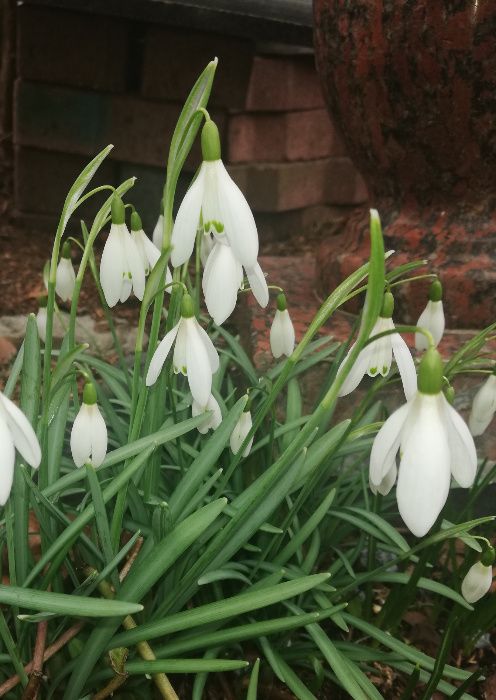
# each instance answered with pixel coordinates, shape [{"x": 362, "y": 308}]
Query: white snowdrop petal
[
  {"x": 424, "y": 473},
  {"x": 160, "y": 355},
  {"x": 7, "y": 460},
  {"x": 134, "y": 266},
  {"x": 168, "y": 280},
  {"x": 98, "y": 436},
  {"x": 276, "y": 335},
  {"x": 65, "y": 279},
  {"x": 386, "y": 445},
  {"x": 238, "y": 435},
  {"x": 158, "y": 232},
  {"x": 198, "y": 365},
  {"x": 112, "y": 267},
  {"x": 356, "y": 373},
  {"x": 239, "y": 224},
  {"x": 483, "y": 406},
  {"x": 21, "y": 430},
  {"x": 432, "y": 319},
  {"x": 152, "y": 253},
  {"x": 179, "y": 360},
  {"x": 221, "y": 282},
  {"x": 477, "y": 582},
  {"x": 213, "y": 420},
  {"x": 462, "y": 447},
  {"x": 258, "y": 284},
  {"x": 212, "y": 353},
  {"x": 81, "y": 437},
  {"x": 387, "y": 482},
  {"x": 126, "y": 288},
  {"x": 41, "y": 322},
  {"x": 186, "y": 223},
  {"x": 406, "y": 365}
]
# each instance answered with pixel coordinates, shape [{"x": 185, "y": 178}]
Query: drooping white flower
[
  {"x": 434, "y": 444},
  {"x": 65, "y": 276},
  {"x": 282, "y": 333},
  {"x": 432, "y": 317},
  {"x": 148, "y": 252},
  {"x": 483, "y": 406},
  {"x": 376, "y": 358},
  {"x": 41, "y": 318},
  {"x": 241, "y": 430},
  {"x": 121, "y": 268},
  {"x": 15, "y": 433},
  {"x": 194, "y": 354},
  {"x": 477, "y": 582},
  {"x": 223, "y": 277},
  {"x": 216, "y": 198},
  {"x": 89, "y": 432},
  {"x": 207, "y": 243},
  {"x": 213, "y": 420}
]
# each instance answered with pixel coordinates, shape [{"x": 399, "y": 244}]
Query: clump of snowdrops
[{"x": 197, "y": 526}]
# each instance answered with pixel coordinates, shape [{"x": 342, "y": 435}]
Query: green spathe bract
[{"x": 198, "y": 561}]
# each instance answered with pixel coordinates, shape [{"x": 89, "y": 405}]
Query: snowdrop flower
[
  {"x": 434, "y": 444},
  {"x": 121, "y": 268},
  {"x": 223, "y": 277},
  {"x": 65, "y": 277},
  {"x": 158, "y": 231},
  {"x": 41, "y": 318},
  {"x": 15, "y": 433},
  {"x": 241, "y": 430},
  {"x": 213, "y": 420},
  {"x": 89, "y": 432},
  {"x": 148, "y": 252},
  {"x": 207, "y": 243},
  {"x": 282, "y": 333},
  {"x": 376, "y": 357},
  {"x": 479, "y": 577},
  {"x": 218, "y": 200},
  {"x": 432, "y": 317},
  {"x": 194, "y": 354},
  {"x": 483, "y": 406}
]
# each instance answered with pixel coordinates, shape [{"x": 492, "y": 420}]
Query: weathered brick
[
  {"x": 284, "y": 83},
  {"x": 272, "y": 187},
  {"x": 70, "y": 48},
  {"x": 84, "y": 122},
  {"x": 303, "y": 135},
  {"x": 174, "y": 59},
  {"x": 43, "y": 179}
]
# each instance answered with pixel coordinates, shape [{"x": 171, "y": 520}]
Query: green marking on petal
[
  {"x": 385, "y": 370},
  {"x": 373, "y": 371}
]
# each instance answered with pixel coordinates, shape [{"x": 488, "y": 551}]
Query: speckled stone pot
[{"x": 411, "y": 84}]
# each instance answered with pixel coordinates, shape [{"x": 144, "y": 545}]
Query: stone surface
[
  {"x": 7, "y": 350},
  {"x": 284, "y": 83},
  {"x": 289, "y": 136},
  {"x": 273, "y": 187},
  {"x": 410, "y": 86},
  {"x": 87, "y": 52},
  {"x": 95, "y": 333},
  {"x": 173, "y": 60}
]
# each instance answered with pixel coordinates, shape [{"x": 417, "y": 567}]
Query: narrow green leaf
[
  {"x": 253, "y": 684},
  {"x": 79, "y": 606},
  {"x": 220, "y": 610}
]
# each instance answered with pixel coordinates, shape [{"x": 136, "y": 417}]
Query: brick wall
[{"x": 84, "y": 82}]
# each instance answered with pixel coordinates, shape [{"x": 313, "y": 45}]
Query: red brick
[
  {"x": 284, "y": 83},
  {"x": 70, "y": 48},
  {"x": 7, "y": 350},
  {"x": 84, "y": 122},
  {"x": 273, "y": 187},
  {"x": 43, "y": 179},
  {"x": 289, "y": 136},
  {"x": 174, "y": 59}
]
